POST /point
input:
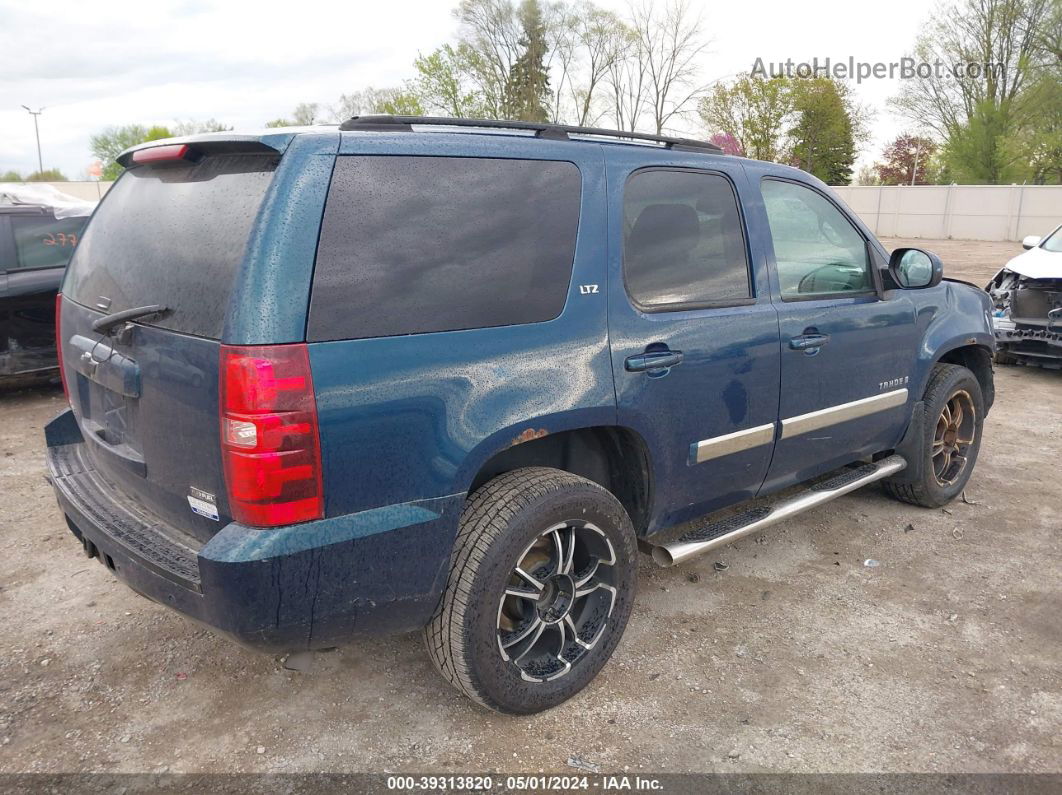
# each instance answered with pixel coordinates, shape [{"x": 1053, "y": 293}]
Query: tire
[
  {"x": 554, "y": 526},
  {"x": 942, "y": 477},
  {"x": 1000, "y": 357}
]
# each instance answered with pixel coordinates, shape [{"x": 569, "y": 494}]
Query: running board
[{"x": 724, "y": 531}]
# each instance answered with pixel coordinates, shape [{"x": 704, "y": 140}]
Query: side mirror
[
  {"x": 913, "y": 268},
  {"x": 1030, "y": 241}
]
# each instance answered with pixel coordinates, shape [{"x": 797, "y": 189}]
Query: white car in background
[{"x": 1027, "y": 299}]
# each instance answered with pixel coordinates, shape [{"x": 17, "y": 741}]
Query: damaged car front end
[
  {"x": 1027, "y": 304},
  {"x": 39, "y": 229}
]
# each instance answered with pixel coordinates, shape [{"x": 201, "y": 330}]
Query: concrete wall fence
[{"x": 963, "y": 212}]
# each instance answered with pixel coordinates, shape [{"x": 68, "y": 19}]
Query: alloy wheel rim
[
  {"x": 953, "y": 436},
  {"x": 557, "y": 601}
]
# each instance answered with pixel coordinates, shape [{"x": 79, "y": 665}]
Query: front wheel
[
  {"x": 953, "y": 422},
  {"x": 541, "y": 586}
]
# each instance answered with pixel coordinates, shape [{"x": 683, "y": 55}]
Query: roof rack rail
[{"x": 561, "y": 132}]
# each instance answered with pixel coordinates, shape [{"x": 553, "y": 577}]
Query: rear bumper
[{"x": 311, "y": 585}]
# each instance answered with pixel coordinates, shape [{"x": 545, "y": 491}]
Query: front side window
[
  {"x": 817, "y": 249},
  {"x": 683, "y": 244},
  {"x": 420, "y": 244}
]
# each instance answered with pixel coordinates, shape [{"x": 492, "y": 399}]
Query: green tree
[
  {"x": 983, "y": 112},
  {"x": 111, "y": 142},
  {"x": 48, "y": 175},
  {"x": 527, "y": 91},
  {"x": 824, "y": 131},
  {"x": 1036, "y": 146},
  {"x": 448, "y": 83},
  {"x": 11, "y": 176},
  {"x": 369, "y": 101},
  {"x": 755, "y": 111},
  {"x": 403, "y": 103}
]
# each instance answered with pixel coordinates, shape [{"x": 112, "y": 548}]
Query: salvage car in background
[
  {"x": 1027, "y": 304},
  {"x": 39, "y": 227}
]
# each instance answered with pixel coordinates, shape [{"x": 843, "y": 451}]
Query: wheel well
[
  {"x": 978, "y": 360},
  {"x": 615, "y": 458}
]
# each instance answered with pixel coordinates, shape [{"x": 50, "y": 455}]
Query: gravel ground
[{"x": 796, "y": 657}]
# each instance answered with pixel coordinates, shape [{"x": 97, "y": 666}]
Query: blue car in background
[{"x": 451, "y": 375}]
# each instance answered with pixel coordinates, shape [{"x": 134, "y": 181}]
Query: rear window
[
  {"x": 173, "y": 236},
  {"x": 419, "y": 244},
  {"x": 43, "y": 241}
]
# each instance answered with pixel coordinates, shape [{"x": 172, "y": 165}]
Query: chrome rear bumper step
[{"x": 724, "y": 531}]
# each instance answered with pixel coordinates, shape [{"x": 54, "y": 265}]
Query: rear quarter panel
[{"x": 414, "y": 417}]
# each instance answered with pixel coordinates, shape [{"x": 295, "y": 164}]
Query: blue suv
[{"x": 451, "y": 375}]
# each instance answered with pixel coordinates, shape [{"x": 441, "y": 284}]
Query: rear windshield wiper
[{"x": 107, "y": 322}]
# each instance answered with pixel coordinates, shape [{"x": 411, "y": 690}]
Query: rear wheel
[
  {"x": 954, "y": 417},
  {"x": 539, "y": 593}
]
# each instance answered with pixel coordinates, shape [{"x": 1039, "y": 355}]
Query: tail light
[
  {"x": 59, "y": 343},
  {"x": 269, "y": 437}
]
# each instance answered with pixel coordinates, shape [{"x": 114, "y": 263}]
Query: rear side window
[
  {"x": 43, "y": 241},
  {"x": 419, "y": 244},
  {"x": 683, "y": 244},
  {"x": 174, "y": 236}
]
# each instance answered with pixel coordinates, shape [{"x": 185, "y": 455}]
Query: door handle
[
  {"x": 808, "y": 342},
  {"x": 652, "y": 360}
]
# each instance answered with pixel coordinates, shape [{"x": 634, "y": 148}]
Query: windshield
[
  {"x": 173, "y": 236},
  {"x": 1053, "y": 242}
]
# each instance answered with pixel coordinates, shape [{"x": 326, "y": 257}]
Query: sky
[{"x": 92, "y": 64}]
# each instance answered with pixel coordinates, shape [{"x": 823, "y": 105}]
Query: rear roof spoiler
[{"x": 218, "y": 144}]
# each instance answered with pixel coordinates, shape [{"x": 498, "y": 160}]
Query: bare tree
[
  {"x": 999, "y": 38},
  {"x": 602, "y": 40},
  {"x": 586, "y": 43},
  {"x": 671, "y": 41},
  {"x": 367, "y": 101},
  {"x": 490, "y": 40},
  {"x": 565, "y": 58},
  {"x": 626, "y": 79}
]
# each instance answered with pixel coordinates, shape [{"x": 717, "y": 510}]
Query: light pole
[{"x": 37, "y": 132}]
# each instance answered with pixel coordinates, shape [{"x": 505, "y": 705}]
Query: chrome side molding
[
  {"x": 736, "y": 442},
  {"x": 739, "y": 441},
  {"x": 823, "y": 418}
]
